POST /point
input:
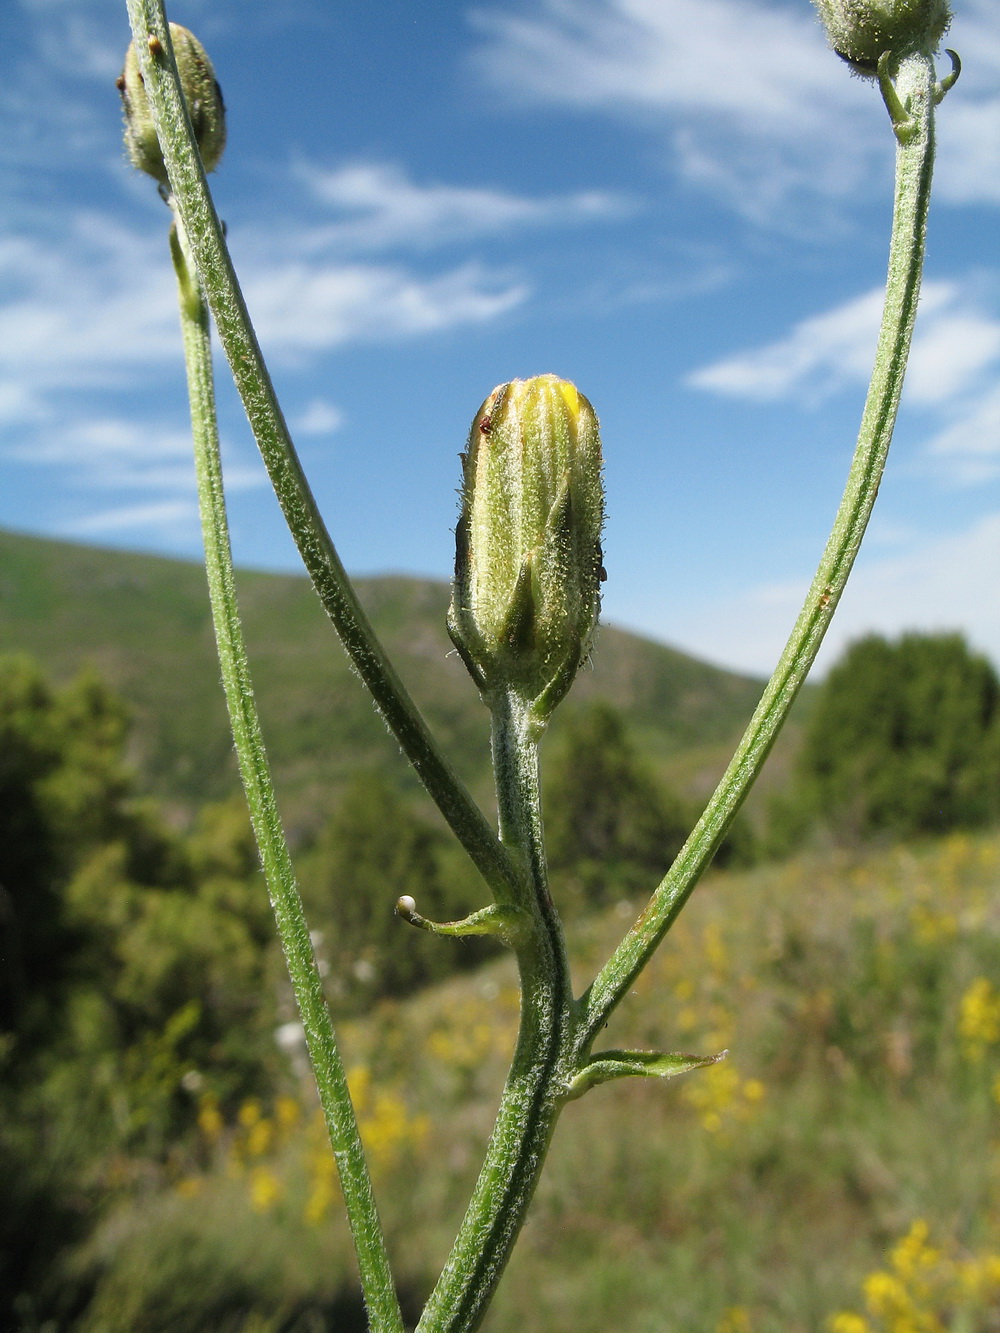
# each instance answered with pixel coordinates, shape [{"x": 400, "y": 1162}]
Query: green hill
[{"x": 143, "y": 623}]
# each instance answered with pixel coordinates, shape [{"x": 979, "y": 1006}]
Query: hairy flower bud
[
  {"x": 528, "y": 559},
  {"x": 860, "y": 31},
  {"x": 201, "y": 93}
]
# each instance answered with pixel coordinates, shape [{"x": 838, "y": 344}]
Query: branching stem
[
  {"x": 539, "y": 1076},
  {"x": 556, "y": 1033}
]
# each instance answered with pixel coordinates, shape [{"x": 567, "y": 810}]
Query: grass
[{"x": 859, "y": 997}]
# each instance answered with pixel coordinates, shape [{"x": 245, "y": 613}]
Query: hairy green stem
[
  {"x": 218, "y": 278},
  {"x": 536, "y": 1086},
  {"x": 914, "y": 86},
  {"x": 331, "y": 1080}
]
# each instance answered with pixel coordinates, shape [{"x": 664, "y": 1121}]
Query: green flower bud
[
  {"x": 860, "y": 31},
  {"x": 201, "y": 93},
  {"x": 528, "y": 560}
]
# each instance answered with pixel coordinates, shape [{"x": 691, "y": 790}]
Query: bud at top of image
[
  {"x": 861, "y": 31},
  {"x": 202, "y": 95}
]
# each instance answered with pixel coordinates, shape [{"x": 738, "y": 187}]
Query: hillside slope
[{"x": 143, "y": 623}]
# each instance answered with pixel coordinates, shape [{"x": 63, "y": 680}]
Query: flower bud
[
  {"x": 201, "y": 93},
  {"x": 860, "y": 31},
  {"x": 528, "y": 544}
]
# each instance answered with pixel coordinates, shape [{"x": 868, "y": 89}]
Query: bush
[
  {"x": 904, "y": 739},
  {"x": 374, "y": 849},
  {"x": 611, "y": 827},
  {"x": 136, "y": 968}
]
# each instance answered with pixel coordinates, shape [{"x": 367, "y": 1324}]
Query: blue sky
[{"x": 681, "y": 205}]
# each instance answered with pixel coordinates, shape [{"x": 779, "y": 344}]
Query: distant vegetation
[
  {"x": 143, "y": 623},
  {"x": 903, "y": 739},
  {"x": 612, "y": 827},
  {"x": 856, "y": 1114},
  {"x": 160, "y": 1163}
]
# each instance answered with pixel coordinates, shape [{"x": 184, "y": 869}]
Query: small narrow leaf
[
  {"x": 508, "y": 924},
  {"x": 606, "y": 1065}
]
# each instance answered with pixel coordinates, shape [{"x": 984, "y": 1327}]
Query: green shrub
[{"x": 904, "y": 739}]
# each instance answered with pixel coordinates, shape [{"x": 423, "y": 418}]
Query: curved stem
[
  {"x": 215, "y": 269},
  {"x": 535, "y": 1090},
  {"x": 914, "y": 87},
  {"x": 331, "y": 1080}
]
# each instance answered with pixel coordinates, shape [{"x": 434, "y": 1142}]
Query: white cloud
[
  {"x": 753, "y": 104},
  {"x": 302, "y": 307},
  {"x": 950, "y": 352},
  {"x": 82, "y": 313},
  {"x": 56, "y": 55},
  {"x": 821, "y": 353},
  {"x": 384, "y": 208},
  {"x": 746, "y": 92},
  {"x": 159, "y": 515},
  {"x": 968, "y": 161},
  {"x": 938, "y": 583},
  {"x": 954, "y": 343},
  {"x": 106, "y": 442},
  {"x": 318, "y": 418},
  {"x": 969, "y": 448},
  {"x": 96, "y": 312},
  {"x": 90, "y": 312},
  {"x": 953, "y": 370},
  {"x": 742, "y": 58}
]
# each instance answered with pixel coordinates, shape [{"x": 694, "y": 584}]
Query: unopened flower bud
[
  {"x": 528, "y": 562},
  {"x": 861, "y": 31},
  {"x": 201, "y": 93}
]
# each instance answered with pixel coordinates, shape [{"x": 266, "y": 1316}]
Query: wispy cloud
[
  {"x": 83, "y": 312},
  {"x": 821, "y": 353},
  {"x": 934, "y": 583},
  {"x": 745, "y": 92},
  {"x": 952, "y": 349},
  {"x": 968, "y": 448},
  {"x": 318, "y": 417},
  {"x": 690, "y": 54},
  {"x": 89, "y": 312},
  {"x": 954, "y": 342},
  {"x": 383, "y": 208},
  {"x": 754, "y": 106},
  {"x": 159, "y": 515},
  {"x": 968, "y": 170},
  {"x": 954, "y": 369},
  {"x": 88, "y": 322},
  {"x": 968, "y": 126},
  {"x": 302, "y": 307}
]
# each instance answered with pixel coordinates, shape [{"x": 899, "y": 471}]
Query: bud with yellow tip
[
  {"x": 528, "y": 563},
  {"x": 201, "y": 93}
]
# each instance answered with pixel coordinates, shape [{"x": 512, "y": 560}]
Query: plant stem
[
  {"x": 218, "y": 278},
  {"x": 536, "y": 1085},
  {"x": 331, "y": 1081},
  {"x": 914, "y": 165}
]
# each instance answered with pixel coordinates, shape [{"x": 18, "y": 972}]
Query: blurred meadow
[
  {"x": 856, "y": 1117},
  {"x": 163, "y": 1166}
]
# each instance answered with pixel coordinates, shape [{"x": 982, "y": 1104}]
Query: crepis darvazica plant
[{"x": 525, "y": 604}]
